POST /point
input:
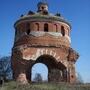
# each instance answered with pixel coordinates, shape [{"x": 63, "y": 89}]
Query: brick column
[
  {"x": 22, "y": 78},
  {"x": 72, "y": 73}
]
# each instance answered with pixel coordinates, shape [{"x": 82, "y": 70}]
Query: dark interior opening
[
  {"x": 28, "y": 31},
  {"x": 28, "y": 28},
  {"x": 46, "y": 27},
  {"x": 62, "y": 31}
]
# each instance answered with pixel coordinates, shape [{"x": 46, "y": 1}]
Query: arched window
[
  {"x": 55, "y": 27},
  {"x": 62, "y": 31},
  {"x": 37, "y": 26},
  {"x": 45, "y": 27},
  {"x": 28, "y": 28}
]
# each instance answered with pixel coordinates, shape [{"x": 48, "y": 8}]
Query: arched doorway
[
  {"x": 57, "y": 72},
  {"x": 39, "y": 72}
]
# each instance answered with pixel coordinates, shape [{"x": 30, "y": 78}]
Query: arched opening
[
  {"x": 39, "y": 73},
  {"x": 46, "y": 64},
  {"x": 62, "y": 31},
  {"x": 55, "y": 27},
  {"x": 28, "y": 28},
  {"x": 37, "y": 26},
  {"x": 45, "y": 27}
]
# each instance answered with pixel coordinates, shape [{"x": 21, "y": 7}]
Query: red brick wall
[{"x": 22, "y": 27}]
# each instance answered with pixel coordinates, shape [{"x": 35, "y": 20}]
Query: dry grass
[{"x": 44, "y": 86}]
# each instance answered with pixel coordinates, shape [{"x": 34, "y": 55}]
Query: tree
[
  {"x": 5, "y": 68},
  {"x": 79, "y": 78},
  {"x": 38, "y": 77},
  {"x": 1, "y": 81}
]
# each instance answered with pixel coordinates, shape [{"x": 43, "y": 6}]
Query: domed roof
[{"x": 44, "y": 16}]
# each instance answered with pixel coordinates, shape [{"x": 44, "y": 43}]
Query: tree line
[{"x": 5, "y": 69}]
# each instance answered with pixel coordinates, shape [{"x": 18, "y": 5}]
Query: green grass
[{"x": 44, "y": 86}]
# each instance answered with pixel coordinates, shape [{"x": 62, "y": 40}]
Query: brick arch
[
  {"x": 53, "y": 60},
  {"x": 46, "y": 56},
  {"x": 52, "y": 65},
  {"x": 41, "y": 59},
  {"x": 53, "y": 54},
  {"x": 40, "y": 52}
]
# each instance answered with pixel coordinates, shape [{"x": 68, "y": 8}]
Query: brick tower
[{"x": 42, "y": 37}]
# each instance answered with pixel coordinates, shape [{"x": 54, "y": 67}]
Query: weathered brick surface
[
  {"x": 46, "y": 40},
  {"x": 51, "y": 48}
]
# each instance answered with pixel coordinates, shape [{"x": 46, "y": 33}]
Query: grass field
[{"x": 44, "y": 86}]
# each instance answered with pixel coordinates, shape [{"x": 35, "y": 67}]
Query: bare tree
[
  {"x": 38, "y": 77},
  {"x": 79, "y": 78},
  {"x": 5, "y": 69},
  {"x": 1, "y": 81}
]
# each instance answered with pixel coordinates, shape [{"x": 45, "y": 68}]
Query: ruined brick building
[{"x": 42, "y": 37}]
